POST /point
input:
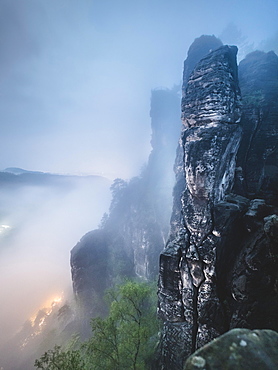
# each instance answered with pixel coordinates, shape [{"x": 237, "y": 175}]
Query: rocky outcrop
[
  {"x": 201, "y": 47},
  {"x": 249, "y": 287},
  {"x": 212, "y": 92},
  {"x": 210, "y": 147},
  {"x": 239, "y": 349},
  {"x": 219, "y": 267},
  {"x": 198, "y": 50},
  {"x": 89, "y": 272},
  {"x": 131, "y": 237},
  {"x": 258, "y": 155}
]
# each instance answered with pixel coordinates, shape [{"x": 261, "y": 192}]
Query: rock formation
[
  {"x": 199, "y": 49},
  {"x": 239, "y": 349},
  {"x": 219, "y": 267},
  {"x": 131, "y": 237},
  {"x": 218, "y": 270},
  {"x": 258, "y": 157}
]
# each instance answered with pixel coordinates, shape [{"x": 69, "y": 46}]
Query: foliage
[
  {"x": 57, "y": 359},
  {"x": 126, "y": 339},
  {"x": 118, "y": 190}
]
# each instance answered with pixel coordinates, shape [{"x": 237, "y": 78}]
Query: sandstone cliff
[
  {"x": 219, "y": 267},
  {"x": 133, "y": 234}
]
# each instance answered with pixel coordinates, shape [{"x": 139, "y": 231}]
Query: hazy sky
[{"x": 76, "y": 75}]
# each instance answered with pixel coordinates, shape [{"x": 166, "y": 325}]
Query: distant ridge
[
  {"x": 18, "y": 171},
  {"x": 21, "y": 171},
  {"x": 14, "y": 176}
]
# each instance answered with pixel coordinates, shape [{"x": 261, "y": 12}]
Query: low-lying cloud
[{"x": 45, "y": 223}]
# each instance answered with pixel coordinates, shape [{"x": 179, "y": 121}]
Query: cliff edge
[{"x": 218, "y": 270}]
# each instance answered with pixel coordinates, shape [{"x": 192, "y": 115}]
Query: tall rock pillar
[{"x": 188, "y": 299}]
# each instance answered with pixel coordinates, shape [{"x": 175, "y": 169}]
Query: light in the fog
[
  {"x": 4, "y": 228},
  {"x": 47, "y": 307},
  {"x": 56, "y": 300}
]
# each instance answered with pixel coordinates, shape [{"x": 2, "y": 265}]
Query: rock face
[
  {"x": 219, "y": 267},
  {"x": 249, "y": 287},
  {"x": 212, "y": 90},
  {"x": 131, "y": 237},
  {"x": 89, "y": 271},
  {"x": 258, "y": 155},
  {"x": 239, "y": 349},
  {"x": 198, "y": 50}
]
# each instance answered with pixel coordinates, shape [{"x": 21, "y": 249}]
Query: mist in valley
[
  {"x": 40, "y": 224},
  {"x": 76, "y": 80}
]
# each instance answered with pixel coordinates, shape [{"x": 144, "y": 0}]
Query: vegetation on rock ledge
[{"x": 126, "y": 339}]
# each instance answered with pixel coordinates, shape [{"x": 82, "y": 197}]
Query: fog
[
  {"x": 45, "y": 222},
  {"x": 75, "y": 85}
]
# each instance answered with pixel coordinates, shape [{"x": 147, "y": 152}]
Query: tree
[
  {"x": 126, "y": 339},
  {"x": 57, "y": 359},
  {"x": 118, "y": 190}
]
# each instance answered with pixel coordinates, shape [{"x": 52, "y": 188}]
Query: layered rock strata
[
  {"x": 198, "y": 50},
  {"x": 258, "y": 155},
  {"x": 210, "y": 113},
  {"x": 249, "y": 287},
  {"x": 223, "y": 246}
]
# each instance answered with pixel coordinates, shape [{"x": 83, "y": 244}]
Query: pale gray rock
[{"x": 239, "y": 349}]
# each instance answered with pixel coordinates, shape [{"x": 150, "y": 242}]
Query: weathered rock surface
[
  {"x": 239, "y": 349},
  {"x": 89, "y": 272},
  {"x": 249, "y": 287},
  {"x": 210, "y": 147},
  {"x": 212, "y": 92},
  {"x": 258, "y": 155},
  {"x": 219, "y": 268},
  {"x": 198, "y": 50},
  {"x": 201, "y": 47}
]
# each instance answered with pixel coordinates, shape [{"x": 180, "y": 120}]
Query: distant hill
[
  {"x": 18, "y": 171},
  {"x": 14, "y": 176}
]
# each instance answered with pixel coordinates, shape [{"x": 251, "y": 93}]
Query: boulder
[{"x": 238, "y": 349}]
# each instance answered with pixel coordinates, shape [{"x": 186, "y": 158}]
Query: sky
[{"x": 76, "y": 76}]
